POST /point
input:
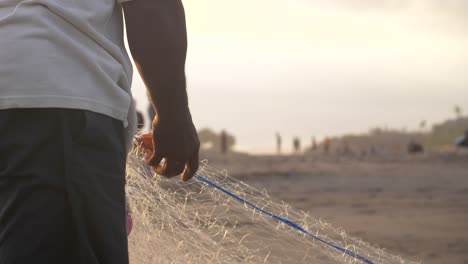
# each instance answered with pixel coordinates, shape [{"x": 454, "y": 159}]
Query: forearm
[{"x": 157, "y": 39}]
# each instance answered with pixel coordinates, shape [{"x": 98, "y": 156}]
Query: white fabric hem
[{"x": 68, "y": 102}]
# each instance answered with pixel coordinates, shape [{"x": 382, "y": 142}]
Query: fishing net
[{"x": 194, "y": 222}]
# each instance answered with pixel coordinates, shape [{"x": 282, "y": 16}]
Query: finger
[
  {"x": 161, "y": 168},
  {"x": 154, "y": 159},
  {"x": 145, "y": 143},
  {"x": 171, "y": 168},
  {"x": 191, "y": 167}
]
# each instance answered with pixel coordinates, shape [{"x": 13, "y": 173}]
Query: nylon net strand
[{"x": 177, "y": 222}]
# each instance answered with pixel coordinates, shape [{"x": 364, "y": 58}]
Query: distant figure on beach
[
  {"x": 224, "y": 142},
  {"x": 221, "y": 142},
  {"x": 140, "y": 120},
  {"x": 347, "y": 149},
  {"x": 363, "y": 153},
  {"x": 297, "y": 145},
  {"x": 314, "y": 144},
  {"x": 278, "y": 143},
  {"x": 462, "y": 141},
  {"x": 415, "y": 147},
  {"x": 373, "y": 150},
  {"x": 326, "y": 145},
  {"x": 68, "y": 118}
]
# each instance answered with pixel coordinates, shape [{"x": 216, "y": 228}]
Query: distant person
[
  {"x": 224, "y": 143},
  {"x": 373, "y": 150},
  {"x": 415, "y": 147},
  {"x": 140, "y": 120},
  {"x": 326, "y": 145},
  {"x": 297, "y": 145},
  {"x": 314, "y": 144},
  {"x": 363, "y": 153},
  {"x": 278, "y": 143},
  {"x": 347, "y": 149},
  {"x": 462, "y": 141}
]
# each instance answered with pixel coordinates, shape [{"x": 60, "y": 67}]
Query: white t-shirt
[{"x": 66, "y": 54}]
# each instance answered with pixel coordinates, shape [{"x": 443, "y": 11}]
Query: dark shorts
[{"x": 62, "y": 187}]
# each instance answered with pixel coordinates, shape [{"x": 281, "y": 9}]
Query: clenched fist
[{"x": 173, "y": 147}]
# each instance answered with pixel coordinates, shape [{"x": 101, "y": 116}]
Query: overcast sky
[{"x": 314, "y": 68}]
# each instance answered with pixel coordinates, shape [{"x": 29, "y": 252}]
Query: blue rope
[{"x": 284, "y": 220}]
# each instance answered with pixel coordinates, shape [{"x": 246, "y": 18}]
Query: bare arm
[{"x": 157, "y": 38}]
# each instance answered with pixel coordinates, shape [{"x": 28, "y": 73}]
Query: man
[
  {"x": 278, "y": 143},
  {"x": 67, "y": 119}
]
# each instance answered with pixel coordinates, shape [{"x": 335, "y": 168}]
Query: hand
[{"x": 176, "y": 141}]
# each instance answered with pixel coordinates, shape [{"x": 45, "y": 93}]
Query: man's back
[{"x": 64, "y": 54}]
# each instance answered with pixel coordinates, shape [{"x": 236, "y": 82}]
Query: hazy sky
[{"x": 314, "y": 68}]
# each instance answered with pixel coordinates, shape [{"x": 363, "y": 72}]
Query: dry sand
[{"x": 416, "y": 207}]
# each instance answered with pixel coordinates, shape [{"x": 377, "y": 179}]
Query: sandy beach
[{"x": 413, "y": 206}]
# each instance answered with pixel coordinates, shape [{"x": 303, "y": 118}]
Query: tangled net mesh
[{"x": 177, "y": 222}]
